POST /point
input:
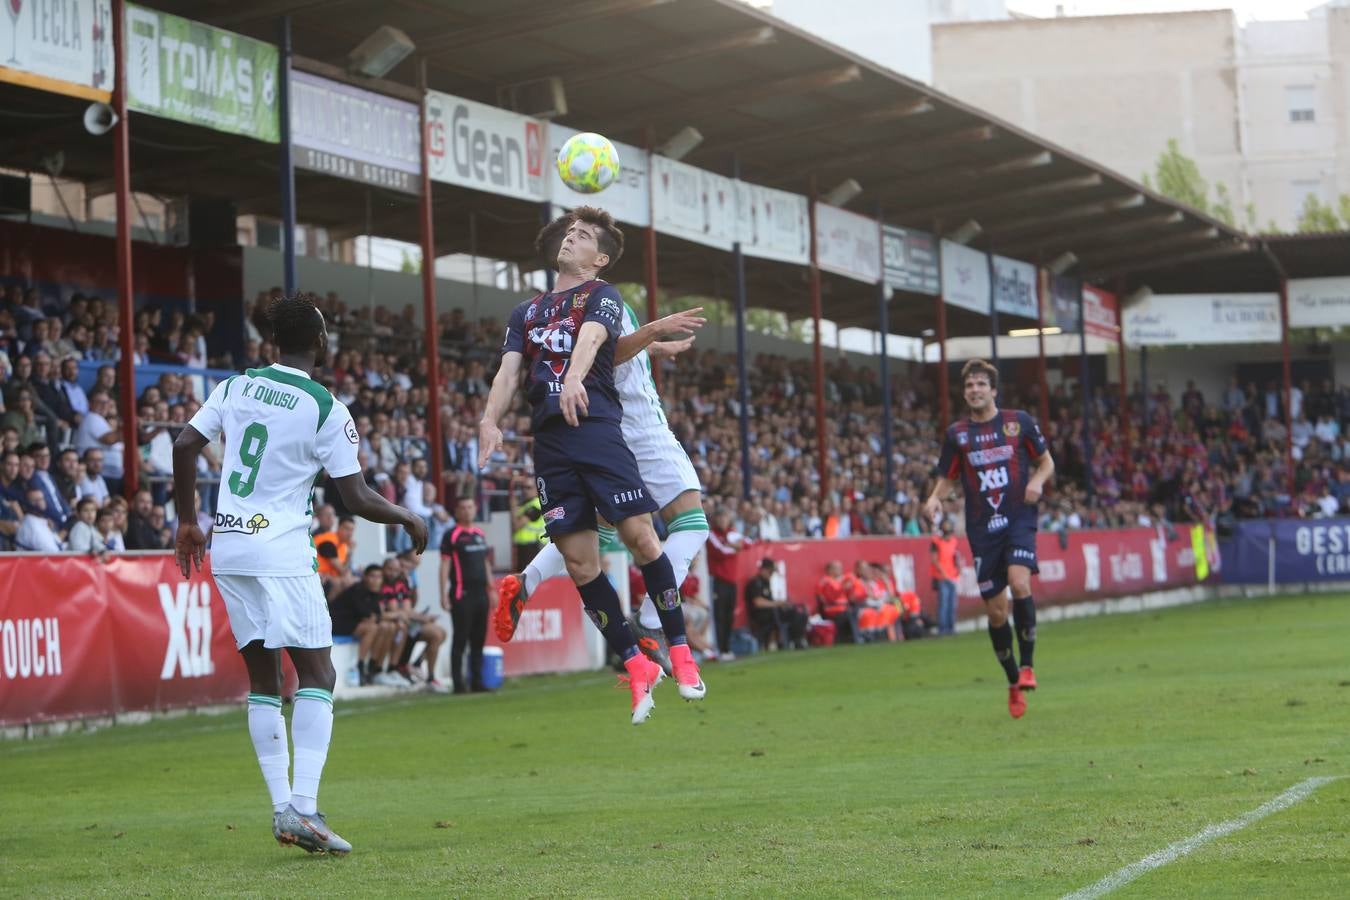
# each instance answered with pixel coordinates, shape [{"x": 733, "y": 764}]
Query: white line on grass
[{"x": 1173, "y": 852}]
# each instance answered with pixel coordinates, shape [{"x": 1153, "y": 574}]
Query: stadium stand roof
[
  {"x": 787, "y": 105},
  {"x": 1317, "y": 255}
]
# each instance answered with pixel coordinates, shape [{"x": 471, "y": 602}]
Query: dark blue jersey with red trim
[
  {"x": 993, "y": 461},
  {"x": 544, "y": 330}
]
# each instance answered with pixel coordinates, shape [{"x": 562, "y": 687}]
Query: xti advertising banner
[{"x": 190, "y": 72}]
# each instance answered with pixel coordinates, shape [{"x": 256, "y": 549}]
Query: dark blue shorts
[
  {"x": 994, "y": 552},
  {"x": 587, "y": 470}
]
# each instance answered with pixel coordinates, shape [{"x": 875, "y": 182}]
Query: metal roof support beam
[
  {"x": 643, "y": 59},
  {"x": 735, "y": 95},
  {"x": 965, "y": 177},
  {"x": 955, "y": 208},
  {"x": 918, "y": 145},
  {"x": 1147, "y": 248},
  {"x": 1050, "y": 222},
  {"x": 738, "y": 142},
  {"x": 1089, "y": 235},
  {"x": 534, "y": 19},
  {"x": 1150, "y": 264}
]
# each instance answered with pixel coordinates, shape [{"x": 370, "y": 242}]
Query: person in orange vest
[
  {"x": 877, "y": 619},
  {"x": 831, "y": 600},
  {"x": 857, "y": 590},
  {"x": 946, "y": 559}
]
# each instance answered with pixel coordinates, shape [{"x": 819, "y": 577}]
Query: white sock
[
  {"x": 681, "y": 547},
  {"x": 547, "y": 563},
  {"x": 311, "y": 730},
  {"x": 267, "y": 727}
]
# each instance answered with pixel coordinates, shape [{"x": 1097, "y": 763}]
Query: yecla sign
[
  {"x": 66, "y": 43},
  {"x": 192, "y": 72},
  {"x": 478, "y": 146}
]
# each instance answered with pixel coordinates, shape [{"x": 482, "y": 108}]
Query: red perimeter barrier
[
  {"x": 1089, "y": 566},
  {"x": 551, "y": 636}
]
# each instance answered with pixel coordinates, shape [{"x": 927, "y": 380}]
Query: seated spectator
[
  {"x": 91, "y": 483},
  {"x": 356, "y": 613},
  {"x": 780, "y": 622},
  {"x": 37, "y": 532},
  {"x": 86, "y": 535},
  {"x": 141, "y": 533},
  {"x": 24, "y": 418},
  {"x": 832, "y": 602},
  {"x": 881, "y": 608},
  {"x": 43, "y": 480},
  {"x": 13, "y": 487}
]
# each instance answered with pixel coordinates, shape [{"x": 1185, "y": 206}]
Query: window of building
[{"x": 1299, "y": 100}]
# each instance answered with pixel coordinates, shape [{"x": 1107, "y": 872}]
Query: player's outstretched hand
[
  {"x": 681, "y": 323},
  {"x": 574, "y": 402},
  {"x": 670, "y": 348},
  {"x": 416, "y": 526},
  {"x": 190, "y": 548},
  {"x": 489, "y": 441}
]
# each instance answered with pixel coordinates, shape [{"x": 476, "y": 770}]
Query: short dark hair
[
  {"x": 343, "y": 520},
  {"x": 767, "y": 563},
  {"x": 373, "y": 567},
  {"x": 292, "y": 323},
  {"x": 980, "y": 367},
  {"x": 609, "y": 237}
]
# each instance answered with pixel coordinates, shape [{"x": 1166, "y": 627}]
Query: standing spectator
[
  {"x": 527, "y": 523},
  {"x": 466, "y": 572},
  {"x": 946, "y": 573},
  {"x": 141, "y": 532},
  {"x": 723, "y": 545}
]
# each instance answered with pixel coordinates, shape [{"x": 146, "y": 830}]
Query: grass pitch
[{"x": 889, "y": 770}]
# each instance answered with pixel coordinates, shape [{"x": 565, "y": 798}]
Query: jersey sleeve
[
  {"x": 209, "y": 420},
  {"x": 338, "y": 443},
  {"x": 1031, "y": 434},
  {"x": 514, "y": 342},
  {"x": 949, "y": 463},
  {"x": 606, "y": 307}
]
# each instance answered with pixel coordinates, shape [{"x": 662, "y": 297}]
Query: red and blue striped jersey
[{"x": 993, "y": 461}]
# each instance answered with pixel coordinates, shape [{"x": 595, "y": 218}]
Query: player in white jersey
[
  {"x": 281, "y": 429},
  {"x": 666, "y": 470}
]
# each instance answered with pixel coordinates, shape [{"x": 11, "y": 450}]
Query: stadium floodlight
[
  {"x": 969, "y": 231},
  {"x": 1062, "y": 263},
  {"x": 378, "y": 54},
  {"x": 1032, "y": 332},
  {"x": 841, "y": 193},
  {"x": 682, "y": 143}
]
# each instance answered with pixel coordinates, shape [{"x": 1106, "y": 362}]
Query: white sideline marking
[{"x": 1173, "y": 852}]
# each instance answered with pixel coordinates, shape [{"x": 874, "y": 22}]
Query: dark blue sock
[
  {"x": 665, "y": 593},
  {"x": 1024, "y": 618},
  {"x": 602, "y": 605}
]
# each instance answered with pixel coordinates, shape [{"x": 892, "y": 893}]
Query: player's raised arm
[
  {"x": 362, "y": 501},
  {"x": 503, "y": 389},
  {"x": 679, "y": 325}
]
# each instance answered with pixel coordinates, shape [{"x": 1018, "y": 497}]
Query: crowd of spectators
[{"x": 1187, "y": 458}]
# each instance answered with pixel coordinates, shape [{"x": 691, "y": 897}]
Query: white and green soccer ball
[{"x": 588, "y": 163}]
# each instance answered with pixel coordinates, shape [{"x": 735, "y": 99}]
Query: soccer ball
[{"x": 588, "y": 163}]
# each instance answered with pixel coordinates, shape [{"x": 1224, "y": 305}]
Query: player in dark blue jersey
[
  {"x": 1000, "y": 459},
  {"x": 564, "y": 341}
]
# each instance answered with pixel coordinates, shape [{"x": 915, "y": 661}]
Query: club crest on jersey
[
  {"x": 579, "y": 301},
  {"x": 533, "y": 308},
  {"x": 962, "y": 438},
  {"x": 1012, "y": 429}
]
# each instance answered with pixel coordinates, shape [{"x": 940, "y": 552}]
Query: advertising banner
[
  {"x": 628, "y": 199},
  {"x": 63, "y": 46},
  {"x": 190, "y": 72},
  {"x": 1014, "y": 287},
  {"x": 485, "y": 148},
  {"x": 909, "y": 258},
  {"x": 1062, "y": 295},
  {"x": 693, "y": 204},
  {"x": 1319, "y": 302},
  {"x": 1179, "y": 319},
  {"x": 1090, "y": 565},
  {"x": 965, "y": 277},
  {"x": 355, "y": 134},
  {"x": 1304, "y": 551},
  {"x": 1101, "y": 313},
  {"x": 773, "y": 224},
  {"x": 848, "y": 244}
]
